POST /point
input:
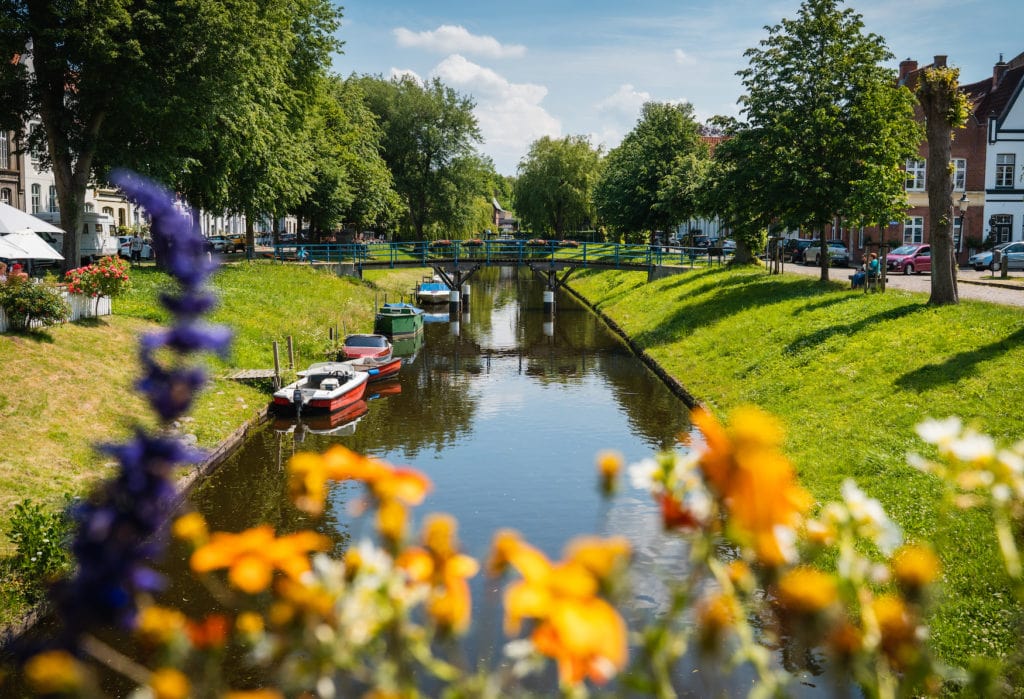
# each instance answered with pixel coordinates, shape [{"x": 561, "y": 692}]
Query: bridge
[{"x": 455, "y": 261}]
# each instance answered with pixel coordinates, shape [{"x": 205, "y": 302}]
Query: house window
[
  {"x": 34, "y": 155},
  {"x": 915, "y": 175},
  {"x": 37, "y": 195},
  {"x": 5, "y": 151},
  {"x": 913, "y": 230},
  {"x": 959, "y": 174},
  {"x": 109, "y": 211},
  {"x": 1002, "y": 227},
  {"x": 5, "y": 195},
  {"x": 1005, "y": 163},
  {"x": 89, "y": 206},
  {"x": 53, "y": 199}
]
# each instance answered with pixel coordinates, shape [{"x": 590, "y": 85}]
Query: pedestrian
[
  {"x": 136, "y": 248},
  {"x": 3, "y": 272}
]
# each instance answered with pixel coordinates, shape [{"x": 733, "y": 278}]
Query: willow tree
[
  {"x": 555, "y": 185},
  {"x": 818, "y": 95},
  {"x": 945, "y": 108}
]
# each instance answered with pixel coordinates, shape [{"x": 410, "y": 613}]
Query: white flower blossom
[
  {"x": 939, "y": 431},
  {"x": 643, "y": 476},
  {"x": 972, "y": 447}
]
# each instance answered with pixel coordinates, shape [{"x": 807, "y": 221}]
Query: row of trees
[
  {"x": 232, "y": 105},
  {"x": 823, "y": 137}
]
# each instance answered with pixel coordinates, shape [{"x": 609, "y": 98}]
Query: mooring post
[
  {"x": 291, "y": 354},
  {"x": 277, "y": 367},
  {"x": 549, "y": 302},
  {"x": 465, "y": 296},
  {"x": 453, "y": 303}
]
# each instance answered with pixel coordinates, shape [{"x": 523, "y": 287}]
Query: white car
[{"x": 124, "y": 247}]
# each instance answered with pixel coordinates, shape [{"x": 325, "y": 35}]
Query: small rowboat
[
  {"x": 376, "y": 369},
  {"x": 432, "y": 290},
  {"x": 370, "y": 345}
]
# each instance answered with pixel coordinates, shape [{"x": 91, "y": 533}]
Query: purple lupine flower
[{"x": 118, "y": 525}]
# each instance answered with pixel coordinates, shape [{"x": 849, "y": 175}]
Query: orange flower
[
  {"x": 609, "y": 463},
  {"x": 441, "y": 566},
  {"x": 54, "y": 672},
  {"x": 581, "y": 631},
  {"x": 252, "y": 556},
  {"x": 897, "y": 628},
  {"x": 754, "y": 481},
  {"x": 716, "y": 615},
  {"x": 159, "y": 625},
  {"x": 807, "y": 591},
  {"x": 211, "y": 632},
  {"x": 254, "y": 694},
  {"x": 191, "y": 528},
  {"x": 168, "y": 683}
]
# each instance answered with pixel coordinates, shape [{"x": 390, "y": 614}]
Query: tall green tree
[
  {"x": 200, "y": 95},
  {"x": 643, "y": 182},
  {"x": 818, "y": 96},
  {"x": 430, "y": 135},
  {"x": 945, "y": 109},
  {"x": 555, "y": 183}
]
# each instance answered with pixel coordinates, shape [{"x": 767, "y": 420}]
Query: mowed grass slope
[
  {"x": 71, "y": 387},
  {"x": 850, "y": 375}
]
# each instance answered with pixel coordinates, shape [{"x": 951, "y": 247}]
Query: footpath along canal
[{"x": 505, "y": 411}]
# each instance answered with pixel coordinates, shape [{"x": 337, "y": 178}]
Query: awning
[
  {"x": 13, "y": 220},
  {"x": 29, "y": 245}
]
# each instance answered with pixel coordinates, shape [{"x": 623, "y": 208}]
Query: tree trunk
[
  {"x": 937, "y": 98},
  {"x": 823, "y": 260}
]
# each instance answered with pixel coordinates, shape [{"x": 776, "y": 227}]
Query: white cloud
[
  {"x": 510, "y": 114},
  {"x": 457, "y": 39},
  {"x": 624, "y": 102},
  {"x": 399, "y": 73},
  {"x": 683, "y": 58}
]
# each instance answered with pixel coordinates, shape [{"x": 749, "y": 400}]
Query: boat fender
[{"x": 373, "y": 372}]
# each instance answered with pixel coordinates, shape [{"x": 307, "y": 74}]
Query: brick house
[{"x": 990, "y": 98}]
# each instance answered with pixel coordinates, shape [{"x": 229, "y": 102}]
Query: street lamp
[{"x": 962, "y": 204}]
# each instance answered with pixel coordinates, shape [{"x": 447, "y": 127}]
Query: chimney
[
  {"x": 906, "y": 68},
  {"x": 998, "y": 71},
  {"x": 940, "y": 62}
]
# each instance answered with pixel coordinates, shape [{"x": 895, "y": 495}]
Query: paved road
[{"x": 971, "y": 284}]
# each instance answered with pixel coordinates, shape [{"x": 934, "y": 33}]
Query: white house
[{"x": 1004, "y": 155}]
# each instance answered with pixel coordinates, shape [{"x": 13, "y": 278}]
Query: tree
[
  {"x": 818, "y": 97},
  {"x": 632, "y": 194},
  {"x": 199, "y": 95},
  {"x": 555, "y": 183},
  {"x": 429, "y": 144},
  {"x": 945, "y": 108}
]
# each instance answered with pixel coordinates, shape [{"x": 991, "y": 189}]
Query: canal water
[{"x": 505, "y": 411}]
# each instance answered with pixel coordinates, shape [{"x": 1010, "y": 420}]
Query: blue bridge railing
[{"x": 495, "y": 252}]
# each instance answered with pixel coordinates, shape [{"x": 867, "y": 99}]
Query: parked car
[
  {"x": 124, "y": 247},
  {"x": 236, "y": 243},
  {"x": 838, "y": 254},
  {"x": 983, "y": 260},
  {"x": 218, "y": 243},
  {"x": 909, "y": 259},
  {"x": 793, "y": 249}
]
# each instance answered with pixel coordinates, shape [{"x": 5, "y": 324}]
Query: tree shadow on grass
[
  {"x": 37, "y": 335},
  {"x": 732, "y": 296},
  {"x": 957, "y": 366},
  {"x": 91, "y": 322},
  {"x": 825, "y": 303},
  {"x": 821, "y": 336}
]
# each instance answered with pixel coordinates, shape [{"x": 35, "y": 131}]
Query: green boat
[{"x": 398, "y": 320}]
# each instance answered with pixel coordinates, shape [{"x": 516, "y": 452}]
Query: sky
[{"x": 567, "y": 67}]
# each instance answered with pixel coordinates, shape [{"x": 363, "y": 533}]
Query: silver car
[
  {"x": 837, "y": 253},
  {"x": 1014, "y": 252}
]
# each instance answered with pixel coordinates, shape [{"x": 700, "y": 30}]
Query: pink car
[{"x": 909, "y": 259}]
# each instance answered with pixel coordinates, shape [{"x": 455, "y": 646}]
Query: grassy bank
[
  {"x": 69, "y": 387},
  {"x": 850, "y": 375}
]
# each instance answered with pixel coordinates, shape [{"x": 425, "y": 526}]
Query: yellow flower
[
  {"x": 716, "y": 614},
  {"x": 807, "y": 591},
  {"x": 249, "y": 623},
  {"x": 168, "y": 683},
  {"x": 252, "y": 556},
  {"x": 191, "y": 528},
  {"x": 254, "y": 694},
  {"x": 601, "y": 557},
  {"x": 897, "y": 628},
  {"x": 53, "y": 672},
  {"x": 915, "y": 567},
  {"x": 159, "y": 625},
  {"x": 609, "y": 463}
]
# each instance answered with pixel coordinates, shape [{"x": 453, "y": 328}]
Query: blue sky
[{"x": 560, "y": 68}]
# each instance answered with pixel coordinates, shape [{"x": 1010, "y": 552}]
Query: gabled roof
[
  {"x": 987, "y": 96},
  {"x": 496, "y": 205}
]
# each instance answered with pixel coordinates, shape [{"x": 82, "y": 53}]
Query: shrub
[
  {"x": 41, "y": 552},
  {"x": 108, "y": 277},
  {"x": 26, "y": 302}
]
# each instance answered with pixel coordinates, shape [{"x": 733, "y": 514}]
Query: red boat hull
[{"x": 339, "y": 402}]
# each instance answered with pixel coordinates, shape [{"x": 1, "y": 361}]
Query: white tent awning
[
  {"x": 32, "y": 247},
  {"x": 13, "y": 220}
]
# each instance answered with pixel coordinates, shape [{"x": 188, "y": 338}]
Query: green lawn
[{"x": 849, "y": 374}]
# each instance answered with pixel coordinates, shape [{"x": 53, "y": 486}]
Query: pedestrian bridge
[{"x": 457, "y": 260}]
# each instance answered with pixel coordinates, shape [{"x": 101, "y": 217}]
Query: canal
[{"x": 505, "y": 411}]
